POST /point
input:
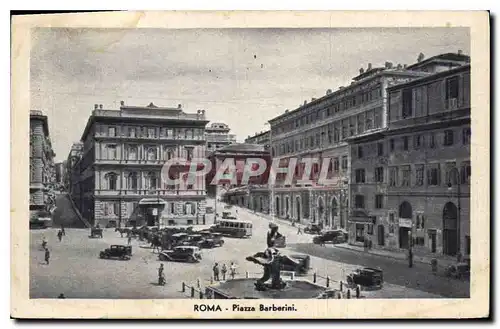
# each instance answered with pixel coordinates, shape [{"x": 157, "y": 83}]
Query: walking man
[
  {"x": 224, "y": 271},
  {"x": 62, "y": 230},
  {"x": 232, "y": 270},
  {"x": 59, "y": 235},
  {"x": 216, "y": 272},
  {"x": 47, "y": 255},
  {"x": 299, "y": 230},
  {"x": 129, "y": 240}
]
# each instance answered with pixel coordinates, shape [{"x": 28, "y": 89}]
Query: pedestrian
[
  {"x": 121, "y": 232},
  {"x": 47, "y": 255},
  {"x": 44, "y": 242},
  {"x": 61, "y": 296},
  {"x": 299, "y": 229},
  {"x": 59, "y": 235},
  {"x": 224, "y": 271},
  {"x": 129, "y": 240},
  {"x": 232, "y": 269},
  {"x": 62, "y": 230},
  {"x": 216, "y": 272}
]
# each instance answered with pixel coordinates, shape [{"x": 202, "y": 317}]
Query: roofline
[
  {"x": 42, "y": 117},
  {"x": 430, "y": 77},
  {"x": 440, "y": 56},
  {"x": 352, "y": 85},
  {"x": 260, "y": 134}
]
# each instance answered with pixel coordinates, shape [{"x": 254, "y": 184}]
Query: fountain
[{"x": 270, "y": 285}]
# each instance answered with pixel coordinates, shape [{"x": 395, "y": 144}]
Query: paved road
[{"x": 76, "y": 270}]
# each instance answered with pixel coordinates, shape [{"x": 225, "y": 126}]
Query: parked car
[
  {"x": 300, "y": 264},
  {"x": 189, "y": 254},
  {"x": 193, "y": 240},
  {"x": 367, "y": 276},
  {"x": 458, "y": 271},
  {"x": 334, "y": 236},
  {"x": 117, "y": 251},
  {"x": 211, "y": 240},
  {"x": 312, "y": 229},
  {"x": 95, "y": 232}
]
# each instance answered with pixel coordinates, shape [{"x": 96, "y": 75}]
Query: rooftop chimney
[
  {"x": 96, "y": 106},
  {"x": 122, "y": 103},
  {"x": 460, "y": 52},
  {"x": 361, "y": 70},
  {"x": 369, "y": 67},
  {"x": 420, "y": 57},
  {"x": 328, "y": 91}
]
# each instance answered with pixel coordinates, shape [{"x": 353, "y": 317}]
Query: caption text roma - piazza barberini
[{"x": 254, "y": 167}]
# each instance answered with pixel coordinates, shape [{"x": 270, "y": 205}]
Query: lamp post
[{"x": 456, "y": 174}]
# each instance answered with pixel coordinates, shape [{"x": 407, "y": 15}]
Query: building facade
[
  {"x": 60, "y": 170},
  {"x": 42, "y": 169},
  {"x": 71, "y": 173},
  {"x": 410, "y": 184},
  {"x": 319, "y": 130},
  {"x": 217, "y": 136},
  {"x": 121, "y": 172},
  {"x": 261, "y": 138}
]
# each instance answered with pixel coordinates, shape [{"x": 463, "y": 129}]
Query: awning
[{"x": 151, "y": 201}]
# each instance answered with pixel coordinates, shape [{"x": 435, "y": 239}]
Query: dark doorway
[
  {"x": 150, "y": 217},
  {"x": 432, "y": 237},
  {"x": 450, "y": 239},
  {"x": 467, "y": 245},
  {"x": 297, "y": 200},
  {"x": 381, "y": 235},
  {"x": 404, "y": 238},
  {"x": 277, "y": 210}
]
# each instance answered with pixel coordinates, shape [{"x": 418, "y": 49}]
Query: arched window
[
  {"x": 450, "y": 211},
  {"x": 152, "y": 154},
  {"x": 111, "y": 180},
  {"x": 132, "y": 152},
  {"x": 152, "y": 181},
  {"x": 132, "y": 181},
  {"x": 334, "y": 207},
  {"x": 321, "y": 207},
  {"x": 405, "y": 210}
]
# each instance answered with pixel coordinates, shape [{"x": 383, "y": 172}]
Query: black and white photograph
[{"x": 286, "y": 165}]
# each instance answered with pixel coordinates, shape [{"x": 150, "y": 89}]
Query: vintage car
[
  {"x": 333, "y": 236},
  {"x": 189, "y": 254},
  {"x": 367, "y": 276},
  {"x": 458, "y": 271},
  {"x": 300, "y": 264},
  {"x": 95, "y": 232},
  {"x": 312, "y": 229},
  {"x": 211, "y": 240},
  {"x": 117, "y": 251},
  {"x": 193, "y": 240}
]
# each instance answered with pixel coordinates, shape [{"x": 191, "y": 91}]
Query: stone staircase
[{"x": 67, "y": 213}]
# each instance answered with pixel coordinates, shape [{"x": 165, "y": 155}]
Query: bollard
[
  {"x": 314, "y": 277},
  {"x": 246, "y": 275},
  {"x": 348, "y": 293},
  {"x": 341, "y": 286},
  {"x": 327, "y": 281},
  {"x": 358, "y": 291},
  {"x": 293, "y": 275},
  {"x": 183, "y": 287},
  {"x": 201, "y": 294},
  {"x": 192, "y": 292}
]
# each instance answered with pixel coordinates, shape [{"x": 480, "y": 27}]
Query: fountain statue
[{"x": 271, "y": 260}]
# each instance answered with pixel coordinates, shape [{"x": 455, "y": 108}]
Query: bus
[{"x": 233, "y": 227}]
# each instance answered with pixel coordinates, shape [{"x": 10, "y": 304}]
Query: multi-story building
[
  {"x": 261, "y": 138},
  {"x": 122, "y": 176},
  {"x": 71, "y": 173},
  {"x": 42, "y": 171},
  {"x": 410, "y": 183},
  {"x": 60, "y": 169},
  {"x": 218, "y": 136},
  {"x": 319, "y": 130}
]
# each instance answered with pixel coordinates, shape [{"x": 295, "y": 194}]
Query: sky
[{"x": 242, "y": 77}]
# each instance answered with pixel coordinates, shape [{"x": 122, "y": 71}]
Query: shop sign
[{"x": 405, "y": 222}]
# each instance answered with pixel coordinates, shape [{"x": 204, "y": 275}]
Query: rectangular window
[
  {"x": 405, "y": 143},
  {"x": 433, "y": 175},
  {"x": 111, "y": 131},
  {"x": 151, "y": 132},
  {"x": 432, "y": 141},
  {"x": 391, "y": 144},
  {"x": 417, "y": 141},
  {"x": 379, "y": 174},
  {"x": 369, "y": 230},
  {"x": 407, "y": 103},
  {"x": 336, "y": 164},
  {"x": 405, "y": 176},
  {"x": 369, "y": 120},
  {"x": 344, "y": 162},
  {"x": 393, "y": 176},
  {"x": 465, "y": 172},
  {"x": 466, "y": 136},
  {"x": 111, "y": 152},
  {"x": 132, "y": 132},
  {"x": 448, "y": 137},
  {"x": 189, "y": 154},
  {"x": 380, "y": 149},
  {"x": 361, "y": 123},
  {"x": 360, "y": 152},
  {"x": 378, "y": 118},
  {"x": 359, "y": 201},
  {"x": 452, "y": 88},
  {"x": 419, "y": 175},
  {"x": 379, "y": 201},
  {"x": 360, "y": 175}
]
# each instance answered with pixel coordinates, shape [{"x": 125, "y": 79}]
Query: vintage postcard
[{"x": 250, "y": 165}]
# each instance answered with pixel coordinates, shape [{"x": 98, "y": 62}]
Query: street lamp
[{"x": 456, "y": 174}]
